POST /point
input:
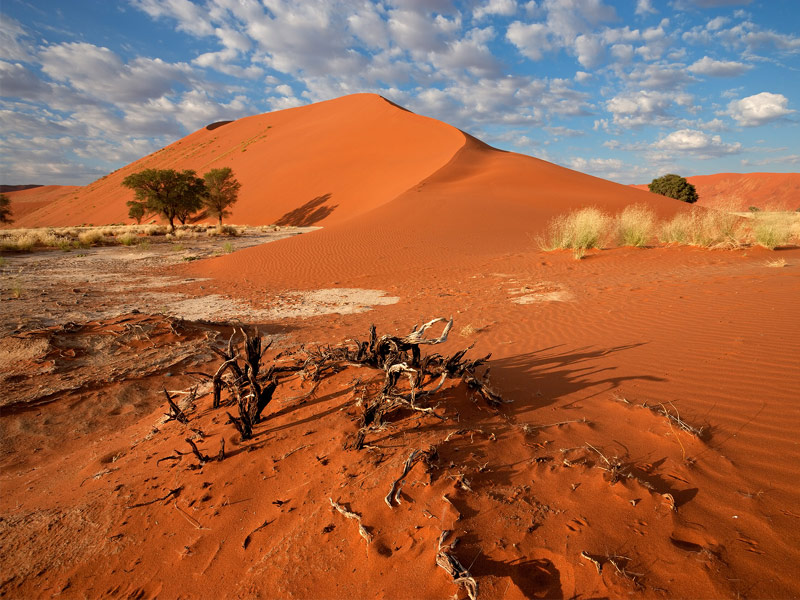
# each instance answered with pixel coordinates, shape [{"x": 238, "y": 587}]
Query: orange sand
[{"x": 25, "y": 202}]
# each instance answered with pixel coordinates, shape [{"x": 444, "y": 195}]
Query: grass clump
[
  {"x": 636, "y": 225},
  {"x": 127, "y": 238},
  {"x": 702, "y": 227},
  {"x": 772, "y": 230},
  {"x": 91, "y": 237},
  {"x": 227, "y": 247},
  {"x": 578, "y": 230}
]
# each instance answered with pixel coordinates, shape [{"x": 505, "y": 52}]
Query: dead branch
[
  {"x": 200, "y": 456},
  {"x": 167, "y": 496},
  {"x": 175, "y": 413},
  {"x": 428, "y": 456},
  {"x": 356, "y": 517},
  {"x": 447, "y": 561}
]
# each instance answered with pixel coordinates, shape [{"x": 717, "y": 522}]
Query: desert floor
[{"x": 647, "y": 445}]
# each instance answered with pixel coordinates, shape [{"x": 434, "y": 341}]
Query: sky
[{"x": 627, "y": 90}]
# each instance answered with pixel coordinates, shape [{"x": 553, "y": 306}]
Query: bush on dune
[
  {"x": 635, "y": 225},
  {"x": 579, "y": 230}
]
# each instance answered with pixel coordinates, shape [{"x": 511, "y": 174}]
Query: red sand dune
[
  {"x": 483, "y": 201},
  {"x": 740, "y": 191},
  {"x": 27, "y": 201},
  {"x": 325, "y": 163},
  {"x": 317, "y": 164}
]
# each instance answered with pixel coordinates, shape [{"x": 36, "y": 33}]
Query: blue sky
[{"x": 627, "y": 90}]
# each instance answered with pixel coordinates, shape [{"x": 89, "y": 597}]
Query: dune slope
[
  {"x": 27, "y": 201},
  {"x": 740, "y": 191},
  {"x": 317, "y": 164},
  {"x": 483, "y": 202}
]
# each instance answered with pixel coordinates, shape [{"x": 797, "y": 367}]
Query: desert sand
[{"x": 645, "y": 445}]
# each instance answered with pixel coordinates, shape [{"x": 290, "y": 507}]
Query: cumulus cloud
[
  {"x": 531, "y": 39},
  {"x": 505, "y": 8},
  {"x": 718, "y": 68},
  {"x": 100, "y": 73},
  {"x": 696, "y": 143},
  {"x": 759, "y": 109},
  {"x": 645, "y": 7}
]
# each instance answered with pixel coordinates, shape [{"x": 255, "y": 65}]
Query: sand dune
[
  {"x": 483, "y": 202},
  {"x": 314, "y": 165},
  {"x": 27, "y": 201},
  {"x": 743, "y": 190}
]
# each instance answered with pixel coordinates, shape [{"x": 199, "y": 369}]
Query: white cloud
[
  {"x": 101, "y": 74},
  {"x": 191, "y": 18},
  {"x": 590, "y": 51},
  {"x": 644, "y": 7},
  {"x": 695, "y": 143},
  {"x": 13, "y": 45},
  {"x": 759, "y": 109},
  {"x": 718, "y": 68},
  {"x": 531, "y": 39},
  {"x": 505, "y": 8}
]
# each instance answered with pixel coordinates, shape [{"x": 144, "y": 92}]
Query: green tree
[
  {"x": 5, "y": 209},
  {"x": 167, "y": 192},
  {"x": 136, "y": 210},
  {"x": 674, "y": 186},
  {"x": 222, "y": 192}
]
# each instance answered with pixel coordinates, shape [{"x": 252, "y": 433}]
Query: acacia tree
[
  {"x": 674, "y": 186},
  {"x": 167, "y": 192},
  {"x": 222, "y": 192},
  {"x": 5, "y": 209}
]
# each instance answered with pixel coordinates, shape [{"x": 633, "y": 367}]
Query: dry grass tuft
[
  {"x": 710, "y": 228},
  {"x": 773, "y": 229},
  {"x": 636, "y": 225},
  {"x": 579, "y": 230},
  {"x": 781, "y": 262}
]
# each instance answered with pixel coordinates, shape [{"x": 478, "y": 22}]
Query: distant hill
[
  {"x": 742, "y": 190},
  {"x": 29, "y": 199}
]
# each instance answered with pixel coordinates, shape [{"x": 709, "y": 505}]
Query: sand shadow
[
  {"x": 309, "y": 213},
  {"x": 551, "y": 374},
  {"x": 534, "y": 578}
]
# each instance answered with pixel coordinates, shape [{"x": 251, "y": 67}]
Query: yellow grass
[
  {"x": 636, "y": 225},
  {"x": 579, "y": 230}
]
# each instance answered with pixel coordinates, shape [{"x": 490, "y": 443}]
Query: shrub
[
  {"x": 635, "y": 225},
  {"x": 753, "y": 209},
  {"x": 580, "y": 230},
  {"x": 674, "y": 186},
  {"x": 91, "y": 237},
  {"x": 127, "y": 239},
  {"x": 771, "y": 230}
]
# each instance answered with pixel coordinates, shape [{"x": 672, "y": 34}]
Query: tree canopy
[
  {"x": 5, "y": 209},
  {"x": 674, "y": 186},
  {"x": 222, "y": 191},
  {"x": 166, "y": 192}
]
